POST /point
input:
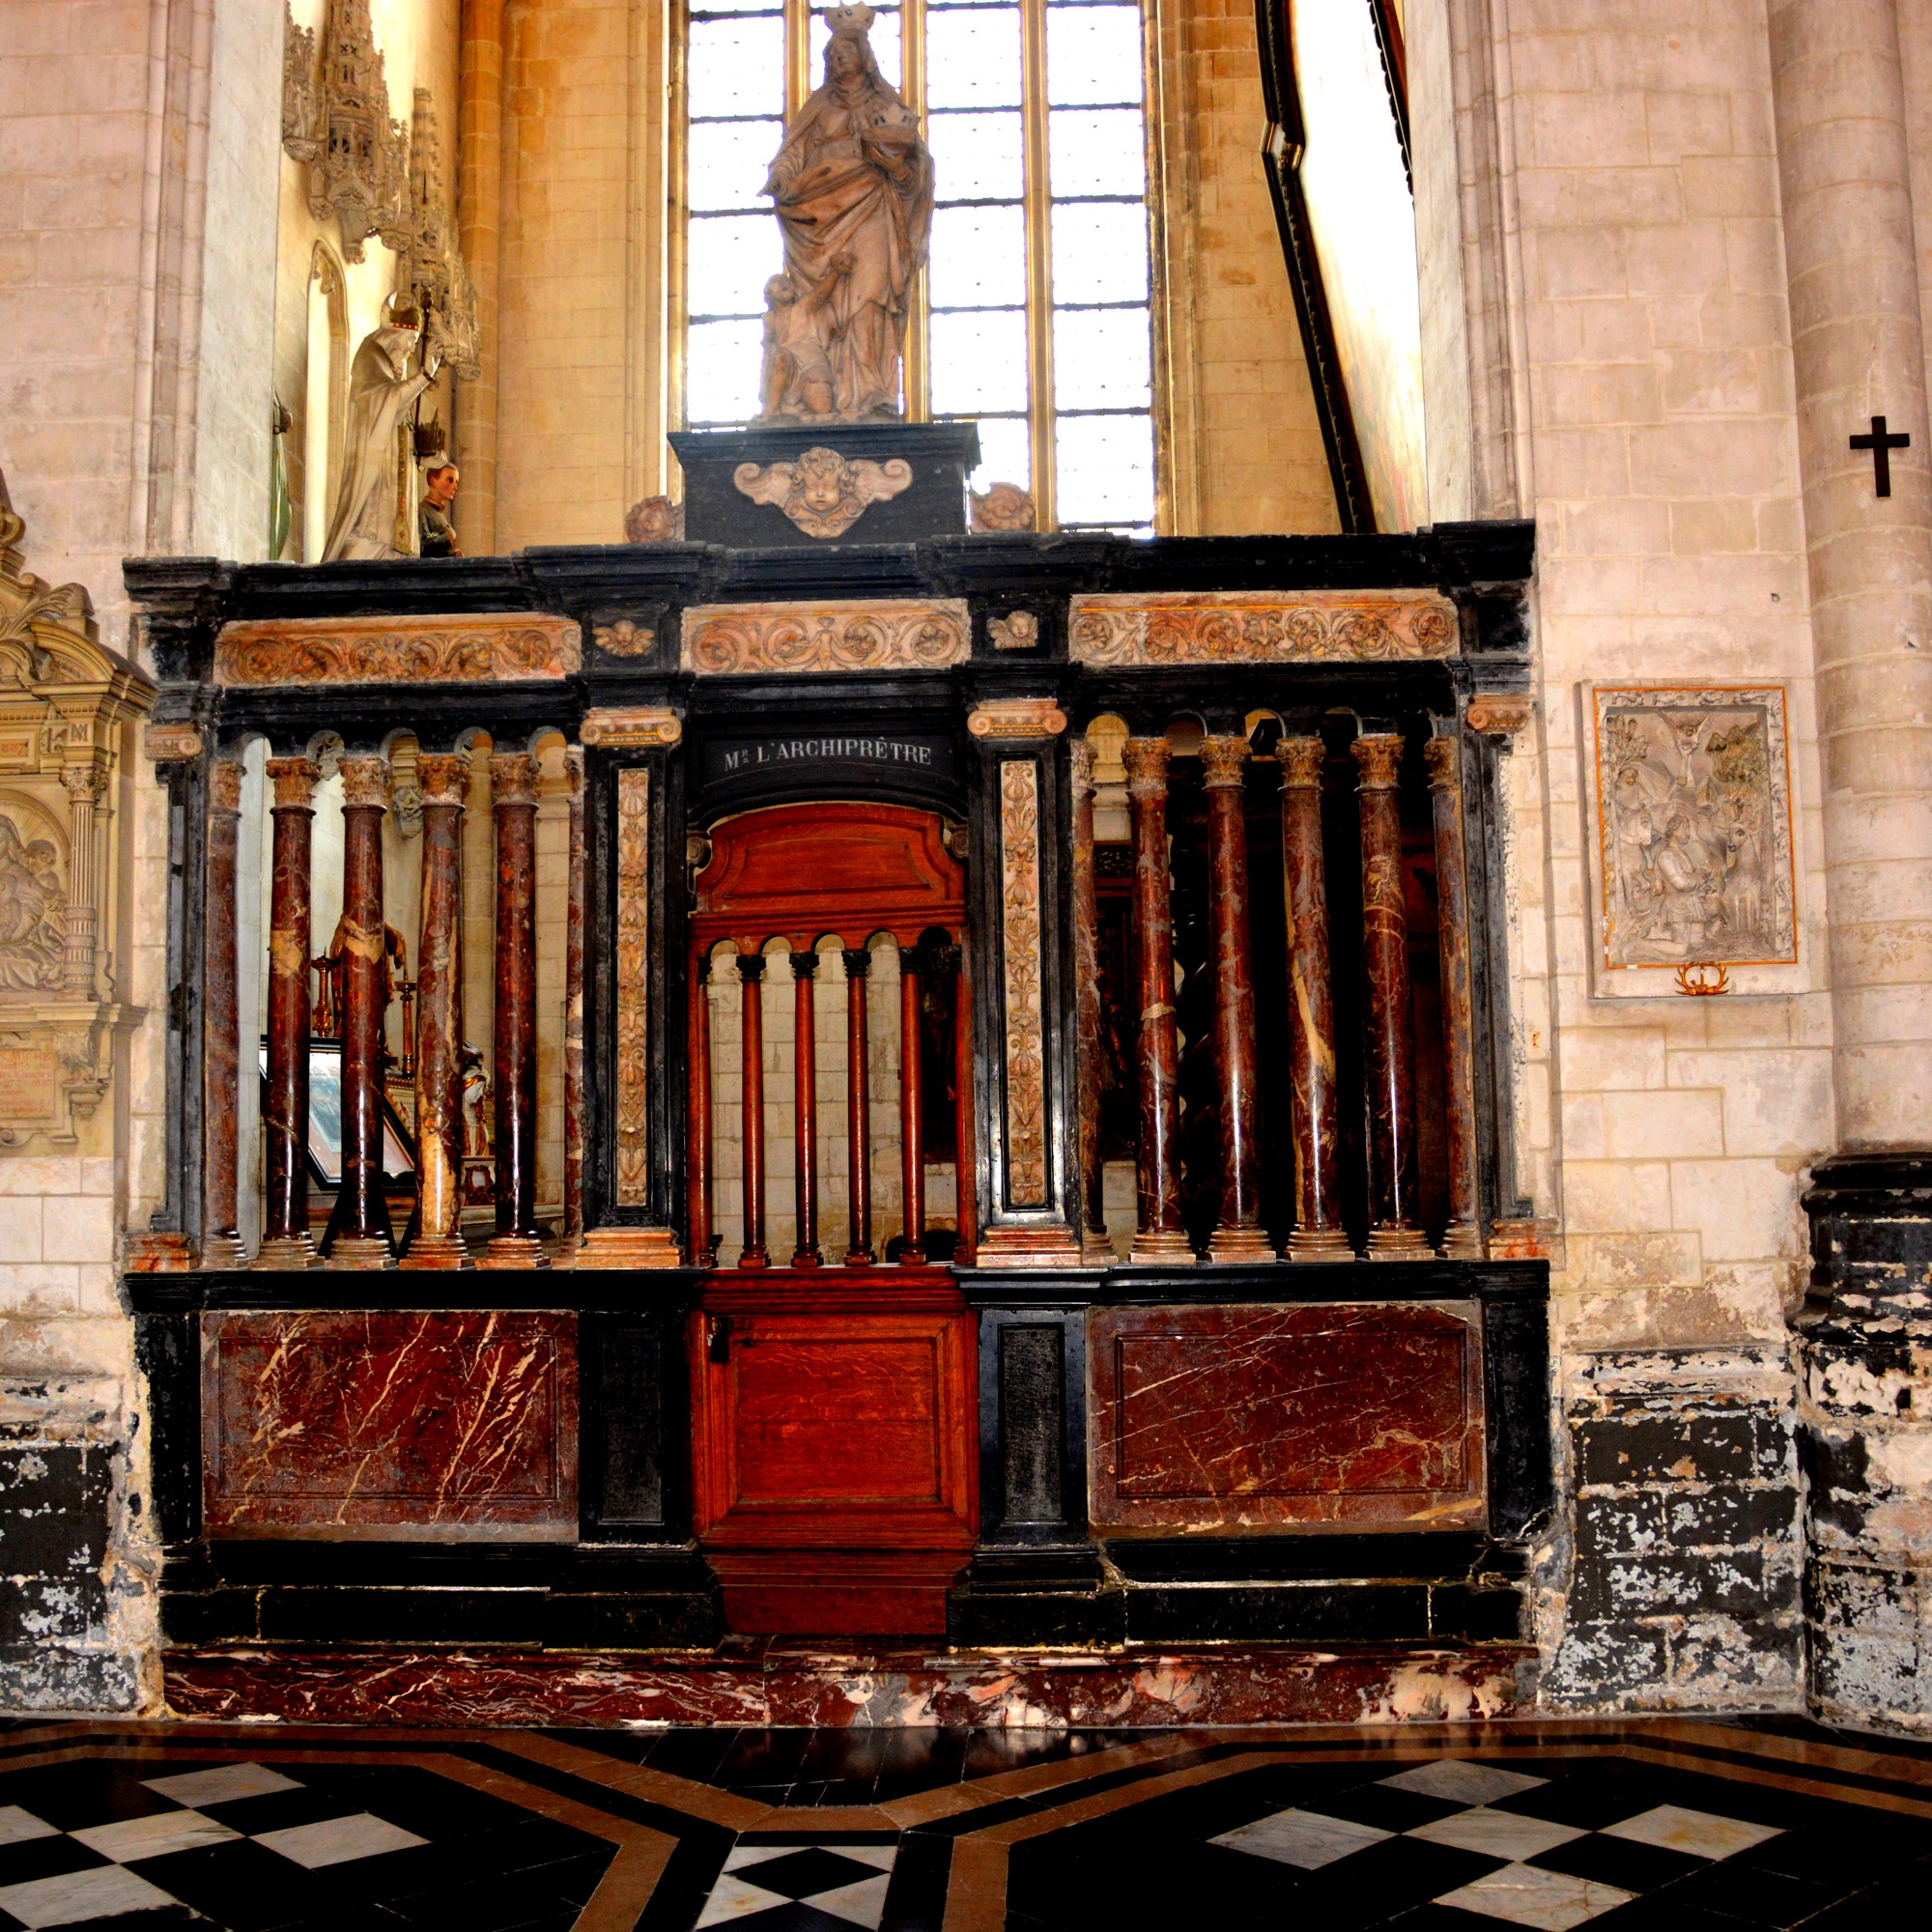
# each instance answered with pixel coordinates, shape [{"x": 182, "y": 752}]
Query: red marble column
[
  {"x": 1463, "y": 1238},
  {"x": 1319, "y": 1234},
  {"x": 751, "y": 971},
  {"x": 858, "y": 1107},
  {"x": 966, "y": 1168},
  {"x": 703, "y": 1233},
  {"x": 437, "y": 1243},
  {"x": 221, "y": 1025},
  {"x": 911, "y": 1110},
  {"x": 513, "y": 800},
  {"x": 804, "y": 1106},
  {"x": 1158, "y": 1236},
  {"x": 572, "y": 1233},
  {"x": 1238, "y": 1235},
  {"x": 362, "y": 1237},
  {"x": 1393, "y": 1234},
  {"x": 1095, "y": 1245},
  {"x": 286, "y": 1242}
]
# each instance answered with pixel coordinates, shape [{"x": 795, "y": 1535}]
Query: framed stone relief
[{"x": 1697, "y": 883}]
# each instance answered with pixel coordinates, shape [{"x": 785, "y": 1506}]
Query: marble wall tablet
[
  {"x": 892, "y": 634},
  {"x": 1217, "y": 626},
  {"x": 391, "y": 1424},
  {"x": 514, "y": 647},
  {"x": 1356, "y": 1415}
]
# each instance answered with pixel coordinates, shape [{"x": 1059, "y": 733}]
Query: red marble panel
[
  {"x": 1358, "y": 1414},
  {"x": 389, "y": 1424},
  {"x": 783, "y": 1684}
]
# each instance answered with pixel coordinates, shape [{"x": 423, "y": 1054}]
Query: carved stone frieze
[
  {"x": 1020, "y": 960},
  {"x": 634, "y": 879},
  {"x": 632, "y": 726},
  {"x": 624, "y": 638},
  {"x": 822, "y": 492},
  {"x": 67, "y": 706},
  {"x": 1016, "y": 718},
  {"x": 510, "y": 649},
  {"x": 1215, "y": 627},
  {"x": 909, "y": 633}
]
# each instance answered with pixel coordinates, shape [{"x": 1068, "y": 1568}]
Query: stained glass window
[{"x": 1033, "y": 318}]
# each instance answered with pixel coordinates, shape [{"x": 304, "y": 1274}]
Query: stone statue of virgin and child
[{"x": 853, "y": 191}]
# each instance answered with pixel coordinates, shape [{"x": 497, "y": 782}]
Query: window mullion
[
  {"x": 918, "y": 335},
  {"x": 1039, "y": 263},
  {"x": 798, "y": 56}
]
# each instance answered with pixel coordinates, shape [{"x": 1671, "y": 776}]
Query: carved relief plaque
[
  {"x": 513, "y": 648},
  {"x": 1694, "y": 826},
  {"x": 29, "y": 1083},
  {"x": 634, "y": 867},
  {"x": 1214, "y": 627},
  {"x": 893, "y": 634},
  {"x": 1020, "y": 950}
]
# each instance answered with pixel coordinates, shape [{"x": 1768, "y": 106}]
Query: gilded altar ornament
[
  {"x": 1003, "y": 507},
  {"x": 852, "y": 189},
  {"x": 891, "y": 634},
  {"x": 1016, "y": 631},
  {"x": 1700, "y": 979},
  {"x": 624, "y": 639},
  {"x": 1020, "y": 950},
  {"x": 514, "y": 647},
  {"x": 654, "y": 520},
  {"x": 822, "y": 492},
  {"x": 1216, "y": 627}
]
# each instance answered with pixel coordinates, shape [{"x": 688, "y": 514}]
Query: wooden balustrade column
[
  {"x": 911, "y": 1110},
  {"x": 361, "y": 1217},
  {"x": 805, "y": 1105},
  {"x": 751, "y": 971},
  {"x": 1238, "y": 1235},
  {"x": 1393, "y": 1231},
  {"x": 703, "y": 1233},
  {"x": 513, "y": 804},
  {"x": 1158, "y": 1236},
  {"x": 1463, "y": 1238},
  {"x": 444, "y": 779},
  {"x": 1094, "y": 1243},
  {"x": 221, "y": 1021},
  {"x": 286, "y": 1242},
  {"x": 1319, "y": 1234},
  {"x": 858, "y": 1107}
]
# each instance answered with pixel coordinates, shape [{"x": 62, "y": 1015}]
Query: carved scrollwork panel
[
  {"x": 634, "y": 878},
  {"x": 1219, "y": 626},
  {"x": 893, "y": 634},
  {"x": 512, "y": 648},
  {"x": 1020, "y": 949}
]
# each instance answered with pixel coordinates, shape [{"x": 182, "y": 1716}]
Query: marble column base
[
  {"x": 434, "y": 1251},
  {"x": 1319, "y": 1244},
  {"x": 296, "y": 1251},
  {"x": 223, "y": 1251},
  {"x": 1152, "y": 1245},
  {"x": 629, "y": 1248},
  {"x": 364, "y": 1251},
  {"x": 1462, "y": 1242},
  {"x": 1240, "y": 1245},
  {"x": 1399, "y": 1244},
  {"x": 1028, "y": 1247},
  {"x": 514, "y": 1251},
  {"x": 1096, "y": 1249}
]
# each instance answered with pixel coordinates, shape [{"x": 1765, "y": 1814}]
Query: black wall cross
[{"x": 1881, "y": 446}]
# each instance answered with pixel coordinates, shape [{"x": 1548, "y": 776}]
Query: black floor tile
[
  {"x": 240, "y": 1886},
  {"x": 1385, "y": 1806},
  {"x": 44, "y": 1858},
  {"x": 1619, "y": 1861},
  {"x": 85, "y": 1791},
  {"x": 1753, "y": 1897}
]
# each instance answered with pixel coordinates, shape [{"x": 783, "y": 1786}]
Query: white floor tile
[
  {"x": 1462, "y": 1782},
  {"x": 1496, "y": 1834},
  {"x": 127, "y": 1839},
  {"x": 863, "y": 1903},
  {"x": 18, "y": 1826},
  {"x": 1304, "y": 1838},
  {"x": 1702, "y": 1833},
  {"x": 334, "y": 1841},
  {"x": 1524, "y": 1895},
  {"x": 72, "y": 1896},
  {"x": 221, "y": 1785},
  {"x": 881, "y": 1857},
  {"x": 737, "y": 1898}
]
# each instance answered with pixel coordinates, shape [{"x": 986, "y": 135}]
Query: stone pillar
[
  {"x": 751, "y": 1035},
  {"x": 912, "y": 1106},
  {"x": 220, "y": 1018},
  {"x": 1463, "y": 1238},
  {"x": 1238, "y": 1235},
  {"x": 479, "y": 196},
  {"x": 1094, "y": 1243},
  {"x": 1865, "y": 1348},
  {"x": 286, "y": 1242},
  {"x": 858, "y": 1107},
  {"x": 1318, "y": 1235},
  {"x": 1393, "y": 1234},
  {"x": 361, "y": 1217},
  {"x": 513, "y": 797},
  {"x": 1158, "y": 1236},
  {"x": 699, "y": 1204},
  {"x": 804, "y": 1106},
  {"x": 572, "y": 1233},
  {"x": 83, "y": 782},
  {"x": 444, "y": 779}
]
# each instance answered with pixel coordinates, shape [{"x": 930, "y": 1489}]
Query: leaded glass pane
[
  {"x": 1099, "y": 252},
  {"x": 736, "y": 66},
  {"x": 1092, "y": 53},
  {"x": 977, "y": 157},
  {"x": 1095, "y": 150},
  {"x": 1006, "y": 452},
  {"x": 1101, "y": 360},
  {"x": 728, "y": 161},
  {"x": 721, "y": 371},
  {"x": 979, "y": 361},
  {"x": 1104, "y": 469},
  {"x": 730, "y": 257},
  {"x": 978, "y": 258},
  {"x": 973, "y": 58}
]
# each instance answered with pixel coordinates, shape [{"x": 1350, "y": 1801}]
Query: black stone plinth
[{"x": 933, "y": 504}]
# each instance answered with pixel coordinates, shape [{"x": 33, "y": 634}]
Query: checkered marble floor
[{"x": 805, "y": 1886}]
